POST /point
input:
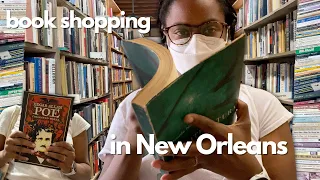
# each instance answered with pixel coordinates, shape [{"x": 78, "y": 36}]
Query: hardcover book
[
  {"x": 210, "y": 89},
  {"x": 45, "y": 119}
]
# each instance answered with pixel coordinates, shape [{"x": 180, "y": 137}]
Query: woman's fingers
[
  {"x": 19, "y": 134},
  {"x": 19, "y": 149},
  {"x": 179, "y": 174},
  {"x": 65, "y": 145},
  {"x": 18, "y": 157},
  {"x": 57, "y": 156},
  {"x": 20, "y": 142},
  {"x": 242, "y": 110},
  {"x": 205, "y": 124},
  {"x": 60, "y": 150},
  {"x": 55, "y": 163},
  {"x": 175, "y": 164}
]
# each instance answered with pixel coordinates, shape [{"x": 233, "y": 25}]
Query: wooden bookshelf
[
  {"x": 273, "y": 16},
  {"x": 279, "y": 14},
  {"x": 36, "y": 48},
  {"x": 280, "y": 57},
  {"x": 238, "y": 33},
  {"x": 115, "y": 7},
  {"x": 81, "y": 59},
  {"x": 82, "y": 101},
  {"x": 75, "y": 57},
  {"x": 102, "y": 133},
  {"x": 121, "y": 67},
  {"x": 71, "y": 7},
  {"x": 287, "y": 102}
]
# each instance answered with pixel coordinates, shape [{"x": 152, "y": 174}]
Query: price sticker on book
[{"x": 316, "y": 86}]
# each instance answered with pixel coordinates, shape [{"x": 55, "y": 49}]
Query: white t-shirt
[
  {"x": 22, "y": 171},
  {"x": 266, "y": 115}
]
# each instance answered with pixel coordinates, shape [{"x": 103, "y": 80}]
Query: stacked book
[
  {"x": 12, "y": 74},
  {"x": 306, "y": 122}
]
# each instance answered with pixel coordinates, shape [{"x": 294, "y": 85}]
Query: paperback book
[{"x": 45, "y": 119}]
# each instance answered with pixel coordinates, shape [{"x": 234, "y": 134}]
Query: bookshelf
[
  {"x": 270, "y": 48},
  {"x": 121, "y": 72},
  {"x": 273, "y": 16},
  {"x": 60, "y": 61}
]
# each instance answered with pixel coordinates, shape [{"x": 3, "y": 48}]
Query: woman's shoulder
[
  {"x": 256, "y": 97},
  {"x": 265, "y": 109},
  {"x": 6, "y": 117},
  {"x": 125, "y": 107}
]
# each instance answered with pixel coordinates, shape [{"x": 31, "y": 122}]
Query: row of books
[
  {"x": 126, "y": 33},
  {"x": 77, "y": 40},
  {"x": 118, "y": 90},
  {"x": 95, "y": 163},
  {"x": 127, "y": 75},
  {"x": 274, "y": 38},
  {"x": 116, "y": 59},
  {"x": 86, "y": 80},
  {"x": 91, "y": 8},
  {"x": 306, "y": 110},
  {"x": 257, "y": 9},
  {"x": 126, "y": 62},
  {"x": 276, "y": 78},
  {"x": 128, "y": 88},
  {"x": 95, "y": 113},
  {"x": 81, "y": 41},
  {"x": 117, "y": 75},
  {"x": 116, "y": 42},
  {"x": 240, "y": 20},
  {"x": 12, "y": 73},
  {"x": 40, "y": 74}
]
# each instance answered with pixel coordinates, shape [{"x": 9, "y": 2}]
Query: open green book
[{"x": 210, "y": 89}]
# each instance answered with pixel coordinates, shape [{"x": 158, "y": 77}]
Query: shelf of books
[
  {"x": 121, "y": 72},
  {"x": 73, "y": 62},
  {"x": 306, "y": 109},
  {"x": 270, "y": 26}
]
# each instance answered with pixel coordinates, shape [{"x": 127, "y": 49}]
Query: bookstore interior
[{"x": 281, "y": 57}]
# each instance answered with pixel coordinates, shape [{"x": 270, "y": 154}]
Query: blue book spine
[{"x": 85, "y": 80}]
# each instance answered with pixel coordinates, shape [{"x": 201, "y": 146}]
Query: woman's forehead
[{"x": 194, "y": 12}]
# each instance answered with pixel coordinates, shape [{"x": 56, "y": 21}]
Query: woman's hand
[
  {"x": 63, "y": 155},
  {"x": 133, "y": 129},
  {"x": 18, "y": 142},
  {"x": 230, "y": 166}
]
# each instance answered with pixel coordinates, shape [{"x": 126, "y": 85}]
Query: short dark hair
[
  {"x": 229, "y": 13},
  {"x": 39, "y": 127}
]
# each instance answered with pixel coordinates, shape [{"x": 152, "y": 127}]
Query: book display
[{"x": 87, "y": 66}]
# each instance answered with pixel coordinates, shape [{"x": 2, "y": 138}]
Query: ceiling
[
  {"x": 145, "y": 8},
  {"x": 142, "y": 8}
]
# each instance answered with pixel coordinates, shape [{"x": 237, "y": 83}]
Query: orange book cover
[{"x": 45, "y": 119}]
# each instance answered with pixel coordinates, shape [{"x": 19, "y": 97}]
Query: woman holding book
[
  {"x": 194, "y": 28},
  {"x": 71, "y": 157}
]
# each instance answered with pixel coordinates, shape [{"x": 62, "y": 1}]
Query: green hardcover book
[{"x": 210, "y": 89}]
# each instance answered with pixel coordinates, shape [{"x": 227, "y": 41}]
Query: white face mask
[{"x": 198, "y": 49}]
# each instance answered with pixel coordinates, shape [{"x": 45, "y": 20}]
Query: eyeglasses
[{"x": 181, "y": 34}]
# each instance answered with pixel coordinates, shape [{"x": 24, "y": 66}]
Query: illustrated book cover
[
  {"x": 210, "y": 89},
  {"x": 45, "y": 119}
]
